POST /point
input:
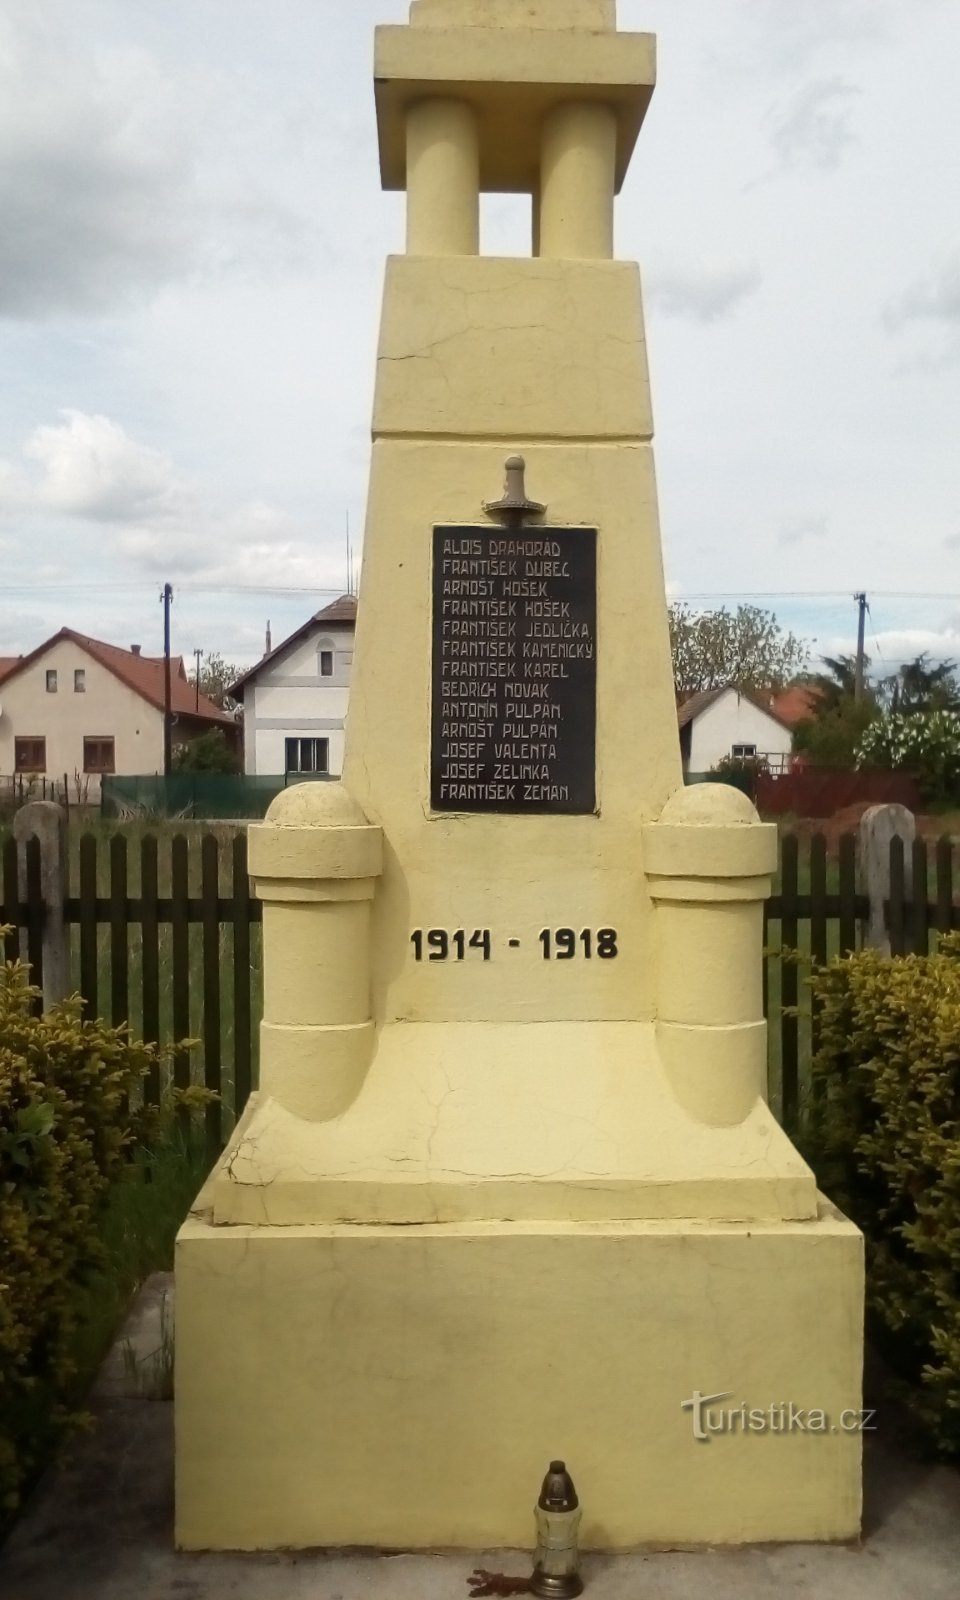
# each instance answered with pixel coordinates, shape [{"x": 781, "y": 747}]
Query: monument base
[{"x": 404, "y": 1387}]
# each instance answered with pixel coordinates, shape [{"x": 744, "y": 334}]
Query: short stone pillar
[
  {"x": 709, "y": 862},
  {"x": 45, "y": 821},
  {"x": 577, "y": 182},
  {"x": 879, "y": 826},
  {"x": 443, "y": 179},
  {"x": 315, "y": 861}
]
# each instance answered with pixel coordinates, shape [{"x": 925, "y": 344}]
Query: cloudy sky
[{"x": 191, "y": 246}]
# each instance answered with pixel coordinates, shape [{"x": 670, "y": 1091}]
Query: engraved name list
[{"x": 514, "y": 670}]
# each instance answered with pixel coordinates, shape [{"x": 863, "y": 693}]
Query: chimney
[
  {"x": 134, "y": 649},
  {"x": 269, "y": 640}
]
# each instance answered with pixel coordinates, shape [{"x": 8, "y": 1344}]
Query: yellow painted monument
[{"x": 510, "y": 1189}]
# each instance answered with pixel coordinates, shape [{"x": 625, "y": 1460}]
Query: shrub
[
  {"x": 883, "y": 1132},
  {"x": 925, "y": 744},
  {"x": 208, "y": 752},
  {"x": 832, "y": 736},
  {"x": 741, "y": 772},
  {"x": 71, "y": 1114}
]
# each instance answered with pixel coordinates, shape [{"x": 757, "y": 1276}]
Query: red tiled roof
[
  {"x": 796, "y": 704},
  {"x": 7, "y": 664},
  {"x": 143, "y": 674},
  {"x": 343, "y": 610}
]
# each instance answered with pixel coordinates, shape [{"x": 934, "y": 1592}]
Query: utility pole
[
  {"x": 167, "y": 601},
  {"x": 198, "y": 654},
  {"x": 861, "y": 601}
]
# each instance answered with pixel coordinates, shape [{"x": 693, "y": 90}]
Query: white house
[
  {"x": 731, "y": 722},
  {"x": 295, "y": 699}
]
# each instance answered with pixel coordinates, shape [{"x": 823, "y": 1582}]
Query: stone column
[
  {"x": 578, "y": 181},
  {"x": 708, "y": 862},
  {"x": 443, "y": 179},
  {"x": 315, "y": 861}
]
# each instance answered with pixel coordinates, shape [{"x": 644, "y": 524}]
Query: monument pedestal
[
  {"x": 401, "y": 1388},
  {"x": 510, "y": 1190}
]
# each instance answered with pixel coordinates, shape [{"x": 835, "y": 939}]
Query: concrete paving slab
[
  {"x": 140, "y": 1364},
  {"x": 100, "y": 1528}
]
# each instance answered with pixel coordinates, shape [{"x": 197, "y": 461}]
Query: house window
[
  {"x": 79, "y": 681},
  {"x": 98, "y": 755},
  {"x": 326, "y": 663},
  {"x": 743, "y": 752},
  {"x": 308, "y": 755},
  {"x": 51, "y": 682},
  {"x": 30, "y": 755}
]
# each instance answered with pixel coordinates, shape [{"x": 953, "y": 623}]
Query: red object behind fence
[{"x": 823, "y": 791}]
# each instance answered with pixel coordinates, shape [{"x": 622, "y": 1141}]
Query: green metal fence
[{"x": 211, "y": 796}]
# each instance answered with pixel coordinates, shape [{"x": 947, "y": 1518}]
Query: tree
[
  {"x": 832, "y": 737},
  {"x": 216, "y": 676},
  {"x": 210, "y": 752},
  {"x": 746, "y": 648},
  {"x": 919, "y": 687},
  {"x": 838, "y": 682}
]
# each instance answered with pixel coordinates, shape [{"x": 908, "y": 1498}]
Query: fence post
[
  {"x": 879, "y": 826},
  {"x": 47, "y": 822}
]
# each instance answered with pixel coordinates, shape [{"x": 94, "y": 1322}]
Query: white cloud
[
  {"x": 155, "y": 521},
  {"x": 89, "y": 467},
  {"x": 891, "y": 648},
  {"x": 701, "y": 294},
  {"x": 762, "y": 41},
  {"x": 797, "y": 530},
  {"x": 934, "y": 298},
  {"x": 18, "y": 633},
  {"x": 105, "y": 189},
  {"x": 813, "y": 129}
]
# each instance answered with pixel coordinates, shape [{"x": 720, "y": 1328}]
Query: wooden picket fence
[{"x": 163, "y": 934}]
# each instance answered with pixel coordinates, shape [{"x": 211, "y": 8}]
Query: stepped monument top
[{"x": 592, "y": 14}]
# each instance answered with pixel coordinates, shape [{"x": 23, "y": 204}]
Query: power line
[
  {"x": 873, "y": 635},
  {"x": 813, "y": 594},
  {"x": 135, "y": 587},
  {"x": 131, "y": 586}
]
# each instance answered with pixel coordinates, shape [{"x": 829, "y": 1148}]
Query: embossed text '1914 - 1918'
[{"x": 514, "y": 670}]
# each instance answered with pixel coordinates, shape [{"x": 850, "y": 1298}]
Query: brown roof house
[
  {"x": 731, "y": 722},
  {"x": 80, "y": 708},
  {"x": 295, "y": 699}
]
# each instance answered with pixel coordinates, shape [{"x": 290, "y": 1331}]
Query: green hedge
[
  {"x": 67, "y": 1131},
  {"x": 883, "y": 1131}
]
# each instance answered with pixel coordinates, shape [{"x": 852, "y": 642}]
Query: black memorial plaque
[{"x": 514, "y": 714}]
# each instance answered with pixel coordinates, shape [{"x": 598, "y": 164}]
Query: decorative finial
[{"x": 514, "y": 502}]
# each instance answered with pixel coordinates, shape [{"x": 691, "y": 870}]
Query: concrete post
[
  {"x": 443, "y": 179},
  {"x": 314, "y": 862},
  {"x": 578, "y": 182},
  {"x": 709, "y": 862},
  {"x": 46, "y": 821},
  {"x": 879, "y": 826}
]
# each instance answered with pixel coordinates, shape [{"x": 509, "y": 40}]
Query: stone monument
[{"x": 510, "y": 1189}]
